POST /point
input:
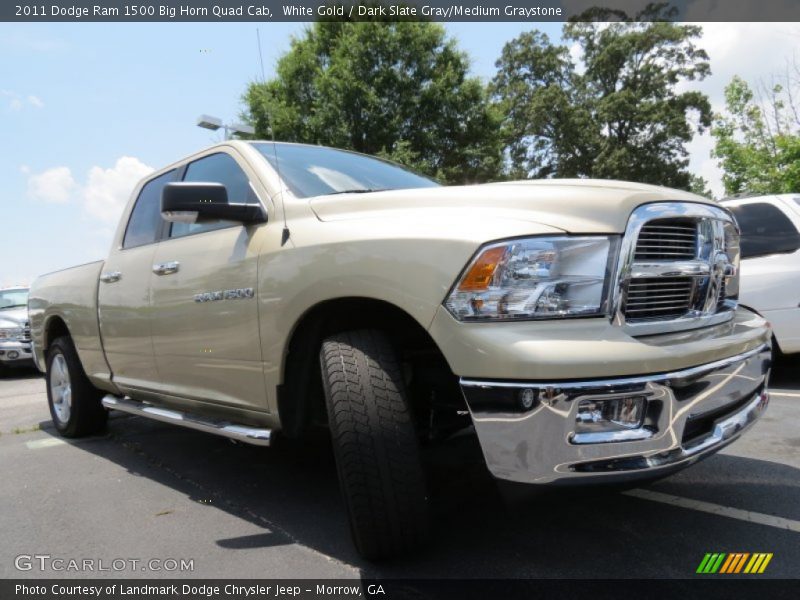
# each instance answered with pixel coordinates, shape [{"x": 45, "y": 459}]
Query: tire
[
  {"x": 375, "y": 444},
  {"x": 74, "y": 402}
]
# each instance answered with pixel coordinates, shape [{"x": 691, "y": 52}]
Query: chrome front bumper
[
  {"x": 15, "y": 353},
  {"x": 690, "y": 414}
]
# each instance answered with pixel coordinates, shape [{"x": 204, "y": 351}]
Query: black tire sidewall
[
  {"x": 87, "y": 415},
  {"x": 406, "y": 532}
]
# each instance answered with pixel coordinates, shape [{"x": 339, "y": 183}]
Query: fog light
[
  {"x": 13, "y": 354},
  {"x": 617, "y": 414}
]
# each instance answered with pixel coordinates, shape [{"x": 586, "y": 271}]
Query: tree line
[{"x": 613, "y": 100}]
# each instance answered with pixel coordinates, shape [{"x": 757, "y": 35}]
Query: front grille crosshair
[
  {"x": 667, "y": 239},
  {"x": 658, "y": 298}
]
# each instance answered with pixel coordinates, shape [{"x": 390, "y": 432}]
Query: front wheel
[
  {"x": 375, "y": 445},
  {"x": 75, "y": 404}
]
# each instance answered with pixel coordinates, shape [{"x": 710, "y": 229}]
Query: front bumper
[
  {"x": 15, "y": 353},
  {"x": 690, "y": 413}
]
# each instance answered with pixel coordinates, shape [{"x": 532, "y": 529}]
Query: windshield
[
  {"x": 318, "y": 171},
  {"x": 13, "y": 298}
]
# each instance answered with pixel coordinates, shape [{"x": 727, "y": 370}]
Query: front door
[{"x": 205, "y": 315}]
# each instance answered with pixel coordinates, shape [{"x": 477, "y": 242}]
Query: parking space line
[
  {"x": 790, "y": 395},
  {"x": 45, "y": 443},
  {"x": 717, "y": 509}
]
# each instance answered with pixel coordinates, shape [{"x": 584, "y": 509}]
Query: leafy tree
[
  {"x": 758, "y": 140},
  {"x": 396, "y": 89},
  {"x": 616, "y": 113}
]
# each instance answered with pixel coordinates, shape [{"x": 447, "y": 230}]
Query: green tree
[
  {"x": 758, "y": 140},
  {"x": 396, "y": 89},
  {"x": 617, "y": 112}
]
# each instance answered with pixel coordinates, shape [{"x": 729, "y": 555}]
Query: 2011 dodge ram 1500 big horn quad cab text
[{"x": 587, "y": 330}]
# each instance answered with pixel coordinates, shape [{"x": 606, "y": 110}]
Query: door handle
[
  {"x": 110, "y": 276},
  {"x": 166, "y": 268}
]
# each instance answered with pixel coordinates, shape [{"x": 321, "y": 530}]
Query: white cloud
[
  {"x": 104, "y": 193},
  {"x": 107, "y": 190},
  {"x": 17, "y": 102},
  {"x": 24, "y": 41},
  {"x": 54, "y": 185}
]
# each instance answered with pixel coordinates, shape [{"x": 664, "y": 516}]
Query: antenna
[
  {"x": 260, "y": 56},
  {"x": 285, "y": 233}
]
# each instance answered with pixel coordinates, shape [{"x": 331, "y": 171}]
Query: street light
[{"x": 214, "y": 123}]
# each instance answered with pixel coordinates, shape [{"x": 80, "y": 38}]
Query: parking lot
[{"x": 146, "y": 490}]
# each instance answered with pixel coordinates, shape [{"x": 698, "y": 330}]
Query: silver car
[{"x": 15, "y": 331}]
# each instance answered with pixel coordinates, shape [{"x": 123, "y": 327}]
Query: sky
[{"x": 87, "y": 109}]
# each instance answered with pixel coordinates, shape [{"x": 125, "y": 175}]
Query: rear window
[{"x": 765, "y": 230}]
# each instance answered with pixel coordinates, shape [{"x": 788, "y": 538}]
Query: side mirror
[{"x": 192, "y": 202}]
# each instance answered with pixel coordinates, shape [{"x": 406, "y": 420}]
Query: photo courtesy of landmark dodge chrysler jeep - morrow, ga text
[{"x": 587, "y": 330}]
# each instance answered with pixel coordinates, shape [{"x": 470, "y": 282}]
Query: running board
[{"x": 241, "y": 433}]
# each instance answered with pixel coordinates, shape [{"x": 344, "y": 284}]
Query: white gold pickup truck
[{"x": 587, "y": 330}]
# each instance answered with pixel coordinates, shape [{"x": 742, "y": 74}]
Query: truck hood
[
  {"x": 13, "y": 317},
  {"x": 572, "y": 205}
]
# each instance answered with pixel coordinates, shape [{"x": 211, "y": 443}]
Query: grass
[{"x": 26, "y": 429}]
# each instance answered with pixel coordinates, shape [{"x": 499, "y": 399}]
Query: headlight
[
  {"x": 535, "y": 278},
  {"x": 11, "y": 334}
]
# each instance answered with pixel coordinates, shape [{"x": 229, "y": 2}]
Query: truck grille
[
  {"x": 676, "y": 259},
  {"x": 667, "y": 239},
  {"x": 659, "y": 298}
]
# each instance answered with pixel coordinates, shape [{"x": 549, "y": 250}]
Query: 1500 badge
[{"x": 237, "y": 294}]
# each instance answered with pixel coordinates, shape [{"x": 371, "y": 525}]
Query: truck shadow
[{"x": 291, "y": 492}]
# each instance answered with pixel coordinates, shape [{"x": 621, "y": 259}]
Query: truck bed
[{"x": 69, "y": 295}]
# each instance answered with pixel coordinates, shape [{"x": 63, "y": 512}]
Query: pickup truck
[
  {"x": 585, "y": 331},
  {"x": 15, "y": 334},
  {"x": 770, "y": 229}
]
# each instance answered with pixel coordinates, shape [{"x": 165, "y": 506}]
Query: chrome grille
[
  {"x": 722, "y": 292},
  {"x": 667, "y": 239},
  {"x": 658, "y": 298},
  {"x": 676, "y": 261}
]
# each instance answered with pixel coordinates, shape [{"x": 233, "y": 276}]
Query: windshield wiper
[{"x": 358, "y": 191}]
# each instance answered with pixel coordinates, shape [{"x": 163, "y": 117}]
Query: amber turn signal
[{"x": 482, "y": 270}]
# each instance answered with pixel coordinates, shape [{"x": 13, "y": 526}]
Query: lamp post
[{"x": 214, "y": 123}]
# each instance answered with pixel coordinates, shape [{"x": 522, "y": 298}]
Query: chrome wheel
[{"x": 60, "y": 388}]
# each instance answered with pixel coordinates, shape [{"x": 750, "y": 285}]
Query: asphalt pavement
[{"x": 164, "y": 501}]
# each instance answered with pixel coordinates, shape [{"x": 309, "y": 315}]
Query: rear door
[
  {"x": 124, "y": 292},
  {"x": 205, "y": 314}
]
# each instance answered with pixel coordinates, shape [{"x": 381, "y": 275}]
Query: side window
[
  {"x": 145, "y": 220},
  {"x": 217, "y": 168},
  {"x": 765, "y": 230}
]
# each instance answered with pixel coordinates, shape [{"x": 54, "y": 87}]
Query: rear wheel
[
  {"x": 74, "y": 402},
  {"x": 375, "y": 444}
]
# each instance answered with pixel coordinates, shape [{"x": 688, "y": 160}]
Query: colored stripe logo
[{"x": 734, "y": 562}]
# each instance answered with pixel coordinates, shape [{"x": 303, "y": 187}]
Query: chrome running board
[{"x": 241, "y": 433}]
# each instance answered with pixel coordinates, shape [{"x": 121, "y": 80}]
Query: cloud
[
  {"x": 25, "y": 41},
  {"x": 54, "y": 185},
  {"x": 17, "y": 102},
  {"x": 104, "y": 193},
  {"x": 107, "y": 190}
]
